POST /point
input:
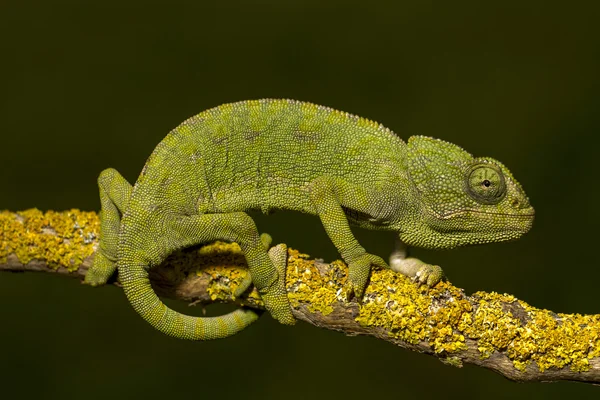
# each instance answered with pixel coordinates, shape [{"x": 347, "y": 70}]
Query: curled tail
[{"x": 144, "y": 300}]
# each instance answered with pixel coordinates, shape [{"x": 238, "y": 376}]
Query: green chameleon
[{"x": 285, "y": 154}]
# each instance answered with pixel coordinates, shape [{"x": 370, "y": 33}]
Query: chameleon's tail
[{"x": 145, "y": 301}]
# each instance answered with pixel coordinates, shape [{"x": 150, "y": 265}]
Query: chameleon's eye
[{"x": 485, "y": 183}]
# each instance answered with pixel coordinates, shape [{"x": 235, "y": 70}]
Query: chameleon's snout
[{"x": 524, "y": 213}]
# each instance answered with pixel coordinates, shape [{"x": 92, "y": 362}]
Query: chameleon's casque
[{"x": 283, "y": 154}]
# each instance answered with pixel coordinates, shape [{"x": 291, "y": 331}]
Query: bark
[{"x": 493, "y": 331}]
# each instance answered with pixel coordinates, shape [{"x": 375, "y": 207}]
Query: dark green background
[{"x": 90, "y": 85}]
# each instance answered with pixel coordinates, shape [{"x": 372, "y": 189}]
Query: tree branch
[{"x": 494, "y": 331}]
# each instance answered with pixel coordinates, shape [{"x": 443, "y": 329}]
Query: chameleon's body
[{"x": 284, "y": 154}]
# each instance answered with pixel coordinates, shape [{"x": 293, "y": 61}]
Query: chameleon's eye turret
[{"x": 485, "y": 183}]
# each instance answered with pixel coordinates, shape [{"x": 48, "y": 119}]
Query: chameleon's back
[{"x": 262, "y": 154}]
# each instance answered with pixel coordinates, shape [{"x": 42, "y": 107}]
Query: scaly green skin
[{"x": 285, "y": 154}]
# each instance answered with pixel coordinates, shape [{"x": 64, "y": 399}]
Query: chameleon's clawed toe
[
  {"x": 359, "y": 270},
  {"x": 428, "y": 275}
]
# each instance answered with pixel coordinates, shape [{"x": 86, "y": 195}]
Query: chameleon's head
[{"x": 464, "y": 200}]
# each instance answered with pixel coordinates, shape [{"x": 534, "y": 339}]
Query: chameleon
[{"x": 203, "y": 178}]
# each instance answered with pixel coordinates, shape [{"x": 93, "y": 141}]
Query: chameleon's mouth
[
  {"x": 466, "y": 212},
  {"x": 529, "y": 214},
  {"x": 468, "y": 227}
]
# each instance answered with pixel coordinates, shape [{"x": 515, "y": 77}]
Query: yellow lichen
[
  {"x": 414, "y": 314},
  {"x": 307, "y": 284},
  {"x": 444, "y": 317},
  {"x": 491, "y": 325},
  {"x": 226, "y": 265},
  {"x": 557, "y": 340},
  {"x": 540, "y": 336},
  {"x": 62, "y": 239},
  {"x": 393, "y": 303}
]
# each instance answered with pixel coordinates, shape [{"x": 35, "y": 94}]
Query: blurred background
[{"x": 88, "y": 85}]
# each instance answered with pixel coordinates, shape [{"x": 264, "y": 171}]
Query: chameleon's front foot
[
  {"x": 359, "y": 269},
  {"x": 417, "y": 270}
]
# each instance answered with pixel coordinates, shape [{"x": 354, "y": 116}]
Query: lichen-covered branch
[{"x": 494, "y": 331}]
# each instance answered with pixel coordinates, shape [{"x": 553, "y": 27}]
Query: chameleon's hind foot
[
  {"x": 276, "y": 298},
  {"x": 115, "y": 192},
  {"x": 246, "y": 282},
  {"x": 100, "y": 271},
  {"x": 278, "y": 255}
]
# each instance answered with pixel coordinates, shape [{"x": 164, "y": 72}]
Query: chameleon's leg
[
  {"x": 239, "y": 227},
  {"x": 178, "y": 232},
  {"x": 246, "y": 282},
  {"x": 414, "y": 268},
  {"x": 115, "y": 192},
  {"x": 328, "y": 196}
]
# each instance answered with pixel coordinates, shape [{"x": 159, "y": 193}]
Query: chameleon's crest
[
  {"x": 437, "y": 168},
  {"x": 438, "y": 150}
]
